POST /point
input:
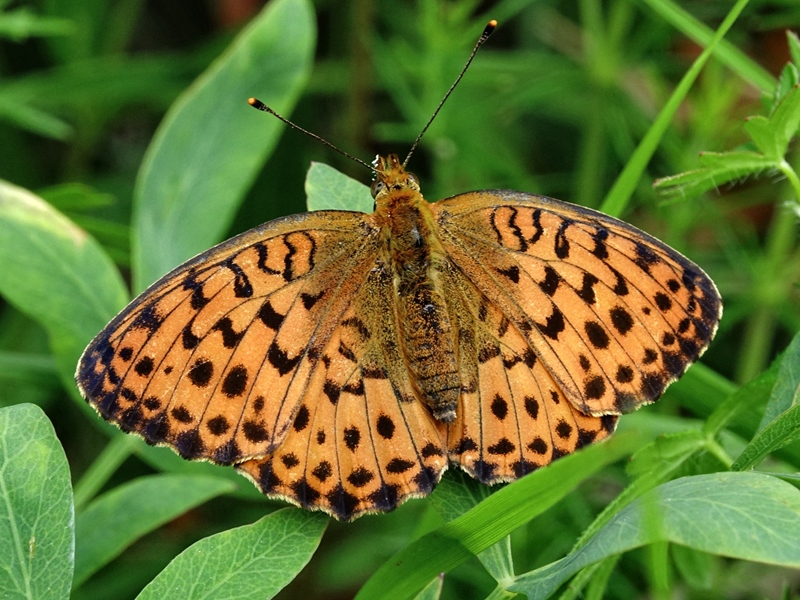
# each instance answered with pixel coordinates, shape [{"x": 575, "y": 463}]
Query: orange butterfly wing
[
  {"x": 256, "y": 350},
  {"x": 613, "y": 314}
]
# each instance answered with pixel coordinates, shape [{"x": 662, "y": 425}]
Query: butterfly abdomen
[{"x": 427, "y": 337}]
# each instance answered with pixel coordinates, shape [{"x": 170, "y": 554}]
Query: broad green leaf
[
  {"x": 255, "y": 561},
  {"x": 650, "y": 466},
  {"x": 328, "y": 189},
  {"x": 749, "y": 516},
  {"x": 120, "y": 517},
  {"x": 211, "y": 144},
  {"x": 36, "y": 518},
  {"x": 412, "y": 568},
  {"x": 56, "y": 274}
]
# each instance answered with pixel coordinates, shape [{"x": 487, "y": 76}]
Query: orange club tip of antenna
[{"x": 255, "y": 102}]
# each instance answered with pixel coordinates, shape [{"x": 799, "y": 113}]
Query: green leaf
[
  {"x": 459, "y": 493},
  {"x": 117, "y": 519},
  {"x": 780, "y": 425},
  {"x": 743, "y": 405},
  {"x": 785, "y": 120},
  {"x": 718, "y": 168},
  {"x": 255, "y": 561},
  {"x": 432, "y": 591},
  {"x": 787, "y": 384},
  {"x": 779, "y": 433},
  {"x": 56, "y": 274},
  {"x": 749, "y": 516},
  {"x": 328, "y": 189},
  {"x": 794, "y": 46},
  {"x": 211, "y": 144},
  {"x": 650, "y": 466},
  {"x": 772, "y": 135},
  {"x": 666, "y": 453},
  {"x": 413, "y": 567},
  {"x": 36, "y": 518}
]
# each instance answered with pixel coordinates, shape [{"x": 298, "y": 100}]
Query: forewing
[
  {"x": 214, "y": 358},
  {"x": 361, "y": 441},
  {"x": 612, "y": 313}
]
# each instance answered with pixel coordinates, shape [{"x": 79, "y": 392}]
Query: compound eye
[
  {"x": 376, "y": 187},
  {"x": 413, "y": 179}
]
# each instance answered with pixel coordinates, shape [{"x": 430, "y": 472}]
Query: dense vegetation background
[{"x": 560, "y": 102}]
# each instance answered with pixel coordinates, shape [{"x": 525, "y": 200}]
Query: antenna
[
  {"x": 487, "y": 31},
  {"x": 258, "y": 104}
]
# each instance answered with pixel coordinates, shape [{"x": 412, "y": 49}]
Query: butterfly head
[{"x": 390, "y": 175}]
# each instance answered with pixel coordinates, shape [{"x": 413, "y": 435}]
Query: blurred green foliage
[{"x": 129, "y": 120}]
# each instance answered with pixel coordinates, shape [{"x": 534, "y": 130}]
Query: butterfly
[{"x": 342, "y": 360}]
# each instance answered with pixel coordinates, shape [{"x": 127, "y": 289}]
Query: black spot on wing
[
  {"x": 645, "y": 257},
  {"x": 551, "y": 280},
  {"x": 309, "y": 300},
  {"x": 499, "y": 407},
  {"x": 201, "y": 372},
  {"x": 352, "y": 437},
  {"x": 230, "y": 337},
  {"x": 621, "y": 319},
  {"x": 620, "y": 287},
  {"x": 269, "y": 317},
  {"x": 342, "y": 503},
  {"x": 536, "y": 218},
  {"x": 596, "y": 334},
  {"x": 554, "y": 324},
  {"x": 218, "y": 425},
  {"x": 188, "y": 338},
  {"x": 512, "y": 273},
  {"x": 279, "y": 359},
  {"x": 561, "y": 242},
  {"x": 144, "y": 366},
  {"x": 385, "y": 427},
  {"x": 255, "y": 432},
  {"x": 235, "y": 381},
  {"x": 242, "y": 288},
  {"x": 302, "y": 418},
  {"x": 586, "y": 292},
  {"x": 600, "y": 250}
]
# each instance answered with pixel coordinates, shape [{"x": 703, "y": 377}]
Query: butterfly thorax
[{"x": 414, "y": 253}]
